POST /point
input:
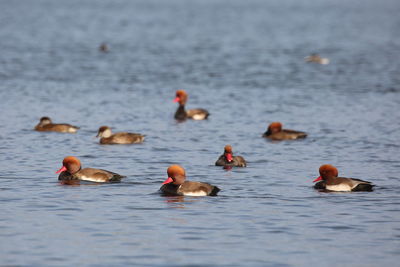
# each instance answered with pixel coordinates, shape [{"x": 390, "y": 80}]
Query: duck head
[
  {"x": 181, "y": 97},
  {"x": 228, "y": 153},
  {"x": 326, "y": 171},
  {"x": 45, "y": 121},
  {"x": 71, "y": 165},
  {"x": 176, "y": 175},
  {"x": 104, "y": 131},
  {"x": 274, "y": 127}
]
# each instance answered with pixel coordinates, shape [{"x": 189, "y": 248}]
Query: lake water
[{"x": 244, "y": 62}]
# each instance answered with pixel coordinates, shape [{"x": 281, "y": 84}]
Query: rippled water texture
[{"x": 244, "y": 62}]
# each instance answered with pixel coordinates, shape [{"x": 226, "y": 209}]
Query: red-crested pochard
[
  {"x": 176, "y": 185},
  {"x": 315, "y": 58},
  {"x": 108, "y": 138},
  {"x": 45, "y": 125},
  {"x": 228, "y": 160},
  {"x": 72, "y": 171},
  {"x": 182, "y": 114},
  {"x": 275, "y": 132},
  {"x": 329, "y": 180}
]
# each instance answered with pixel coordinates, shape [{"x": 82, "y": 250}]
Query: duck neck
[{"x": 180, "y": 113}]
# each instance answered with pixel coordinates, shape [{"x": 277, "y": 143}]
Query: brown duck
[
  {"x": 315, "y": 58},
  {"x": 176, "y": 185},
  {"x": 329, "y": 180},
  {"x": 228, "y": 160},
  {"x": 46, "y": 125},
  {"x": 181, "y": 114},
  {"x": 108, "y": 138},
  {"x": 275, "y": 132},
  {"x": 72, "y": 171}
]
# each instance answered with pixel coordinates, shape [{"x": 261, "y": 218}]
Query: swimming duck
[
  {"x": 329, "y": 180},
  {"x": 107, "y": 138},
  {"x": 315, "y": 58},
  {"x": 182, "y": 114},
  {"x": 72, "y": 171},
  {"x": 46, "y": 125},
  {"x": 275, "y": 132},
  {"x": 176, "y": 184},
  {"x": 228, "y": 160}
]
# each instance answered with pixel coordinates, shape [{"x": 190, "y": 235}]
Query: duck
[
  {"x": 181, "y": 114},
  {"x": 107, "y": 138},
  {"x": 46, "y": 125},
  {"x": 315, "y": 58},
  {"x": 228, "y": 160},
  {"x": 275, "y": 132},
  {"x": 329, "y": 180},
  {"x": 71, "y": 170},
  {"x": 176, "y": 184}
]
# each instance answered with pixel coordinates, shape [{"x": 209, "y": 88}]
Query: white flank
[
  {"x": 72, "y": 130},
  {"x": 91, "y": 179},
  {"x": 198, "y": 117},
  {"x": 324, "y": 61},
  {"x": 196, "y": 194},
  {"x": 339, "y": 187}
]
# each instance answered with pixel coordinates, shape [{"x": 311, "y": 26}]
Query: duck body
[
  {"x": 189, "y": 188},
  {"x": 342, "y": 184},
  {"x": 107, "y": 138},
  {"x": 329, "y": 181},
  {"x": 228, "y": 160},
  {"x": 275, "y": 132},
  {"x": 46, "y": 125},
  {"x": 71, "y": 171},
  {"x": 92, "y": 175},
  {"x": 177, "y": 185},
  {"x": 195, "y": 114},
  {"x": 182, "y": 114},
  {"x": 315, "y": 58}
]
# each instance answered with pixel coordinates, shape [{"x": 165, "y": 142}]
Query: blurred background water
[{"x": 244, "y": 62}]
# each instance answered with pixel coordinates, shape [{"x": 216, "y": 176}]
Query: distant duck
[
  {"x": 103, "y": 47},
  {"x": 107, "y": 138},
  {"x": 46, "y": 125},
  {"x": 228, "y": 160},
  {"x": 329, "y": 180},
  {"x": 182, "y": 114},
  {"x": 71, "y": 171},
  {"x": 275, "y": 132},
  {"x": 176, "y": 185},
  {"x": 315, "y": 58}
]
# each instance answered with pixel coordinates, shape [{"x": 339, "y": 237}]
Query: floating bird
[
  {"x": 45, "y": 125},
  {"x": 315, "y": 58},
  {"x": 181, "y": 114},
  {"x": 275, "y": 132},
  {"x": 228, "y": 160},
  {"x": 176, "y": 185},
  {"x": 72, "y": 171},
  {"x": 329, "y": 180},
  {"x": 107, "y": 138}
]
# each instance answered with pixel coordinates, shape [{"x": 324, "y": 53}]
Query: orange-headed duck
[
  {"x": 176, "y": 184},
  {"x": 315, "y": 58},
  {"x": 228, "y": 160},
  {"x": 72, "y": 171},
  {"x": 182, "y": 114},
  {"x": 107, "y": 138},
  {"x": 329, "y": 180},
  {"x": 45, "y": 125},
  {"x": 275, "y": 132}
]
